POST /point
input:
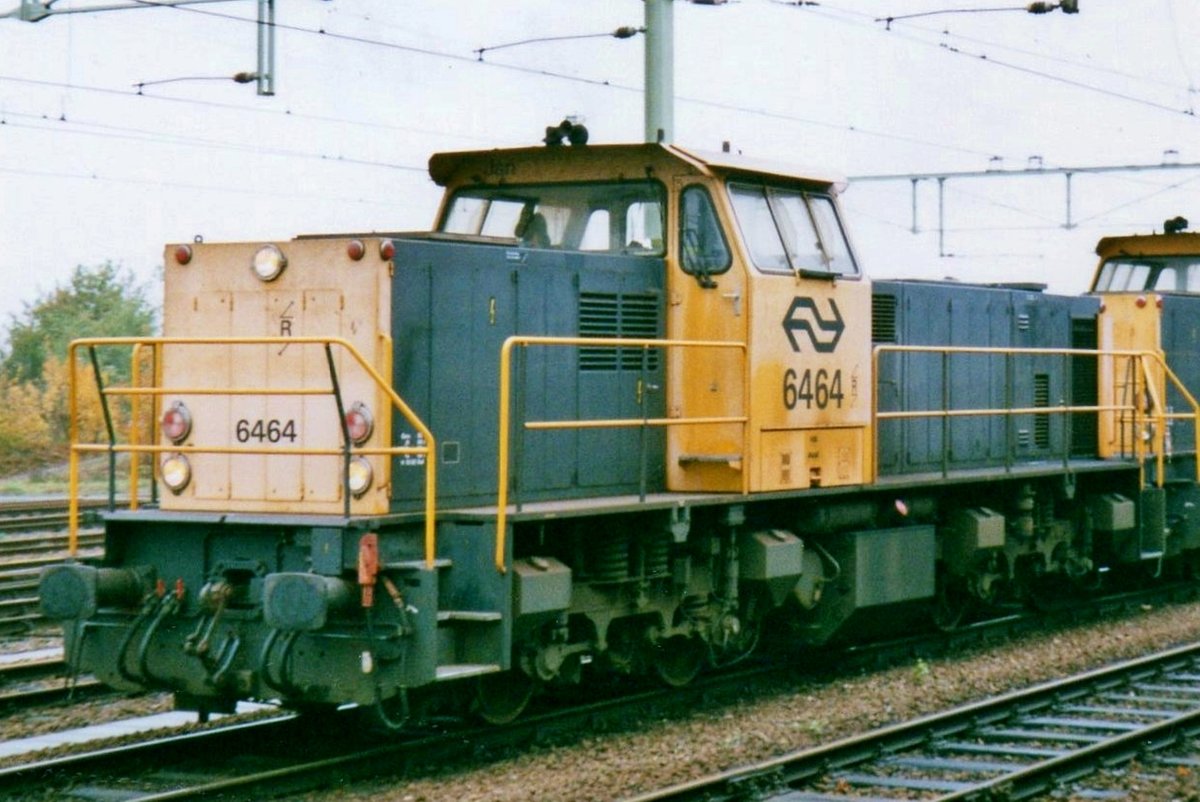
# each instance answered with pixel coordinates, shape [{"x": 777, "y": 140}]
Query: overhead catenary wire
[
  {"x": 177, "y": 185},
  {"x": 1183, "y": 64},
  {"x": 987, "y": 59},
  {"x": 624, "y": 32},
  {"x": 141, "y": 135},
  {"x": 266, "y": 110},
  {"x": 1142, "y": 198},
  {"x": 699, "y": 101},
  {"x": 957, "y": 190},
  {"x": 429, "y": 52},
  {"x": 729, "y": 107},
  {"x": 365, "y": 40},
  {"x": 1048, "y": 57}
]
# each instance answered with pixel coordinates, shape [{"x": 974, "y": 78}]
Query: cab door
[
  {"x": 706, "y": 301},
  {"x": 810, "y": 342}
]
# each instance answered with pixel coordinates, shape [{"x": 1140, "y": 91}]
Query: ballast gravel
[{"x": 769, "y": 721}]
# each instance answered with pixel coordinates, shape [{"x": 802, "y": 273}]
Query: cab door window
[{"x": 702, "y": 247}]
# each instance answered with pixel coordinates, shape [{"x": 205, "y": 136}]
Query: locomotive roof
[
  {"x": 1184, "y": 244},
  {"x": 606, "y": 162}
]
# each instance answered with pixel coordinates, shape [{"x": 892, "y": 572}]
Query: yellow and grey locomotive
[{"x": 622, "y": 410}]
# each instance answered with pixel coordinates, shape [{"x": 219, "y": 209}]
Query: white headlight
[
  {"x": 269, "y": 262},
  {"x": 176, "y": 472},
  {"x": 360, "y": 476}
]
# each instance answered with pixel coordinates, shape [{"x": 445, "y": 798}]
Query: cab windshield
[
  {"x": 791, "y": 231},
  {"x": 625, "y": 217},
  {"x": 1161, "y": 273}
]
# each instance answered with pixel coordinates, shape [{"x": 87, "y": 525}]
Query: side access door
[{"x": 706, "y": 301}]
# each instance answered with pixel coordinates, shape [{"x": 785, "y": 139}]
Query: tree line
[{"x": 99, "y": 301}]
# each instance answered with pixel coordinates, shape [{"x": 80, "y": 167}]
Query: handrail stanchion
[
  {"x": 1068, "y": 400},
  {"x": 108, "y": 425},
  {"x": 135, "y": 414},
  {"x": 502, "y": 448},
  {"x": 945, "y": 417},
  {"x": 643, "y": 393},
  {"x": 876, "y": 353},
  {"x": 73, "y": 455},
  {"x": 346, "y": 444},
  {"x": 1155, "y": 418},
  {"x": 518, "y": 434},
  {"x": 1010, "y": 444},
  {"x": 156, "y": 363}
]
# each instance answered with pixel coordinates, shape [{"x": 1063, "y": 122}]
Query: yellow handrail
[
  {"x": 428, "y": 450},
  {"x": 602, "y": 342},
  {"x": 1157, "y": 408},
  {"x": 1159, "y": 405}
]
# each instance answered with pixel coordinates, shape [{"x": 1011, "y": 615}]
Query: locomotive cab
[
  {"x": 743, "y": 266},
  {"x": 1149, "y": 287}
]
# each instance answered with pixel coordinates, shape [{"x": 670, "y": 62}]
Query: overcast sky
[{"x": 91, "y": 170}]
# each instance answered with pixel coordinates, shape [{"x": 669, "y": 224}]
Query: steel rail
[
  {"x": 26, "y": 515},
  {"x": 24, "y": 545},
  {"x": 42, "y": 682},
  {"x": 21, "y": 558},
  {"x": 1026, "y": 742},
  {"x": 82, "y": 689},
  {"x": 294, "y": 768}
]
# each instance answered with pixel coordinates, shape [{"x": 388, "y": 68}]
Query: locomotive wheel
[
  {"x": 678, "y": 659},
  {"x": 501, "y": 697},
  {"x": 951, "y": 604}
]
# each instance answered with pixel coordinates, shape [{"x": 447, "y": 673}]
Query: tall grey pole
[
  {"x": 660, "y": 70},
  {"x": 266, "y": 47}
]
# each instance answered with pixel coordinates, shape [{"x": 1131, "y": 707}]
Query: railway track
[
  {"x": 43, "y": 682},
  {"x": 294, "y": 754},
  {"x": 29, "y": 540},
  {"x": 1017, "y": 746},
  {"x": 19, "y": 569},
  {"x": 25, "y": 515},
  {"x": 45, "y": 547}
]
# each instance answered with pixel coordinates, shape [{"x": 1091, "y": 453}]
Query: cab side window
[{"x": 702, "y": 247}]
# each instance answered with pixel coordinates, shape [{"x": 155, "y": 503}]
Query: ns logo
[{"x": 806, "y": 321}]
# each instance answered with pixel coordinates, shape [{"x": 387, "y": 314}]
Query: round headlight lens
[
  {"x": 176, "y": 472},
  {"x": 359, "y": 423},
  {"x": 360, "y": 475},
  {"x": 177, "y": 422},
  {"x": 269, "y": 262}
]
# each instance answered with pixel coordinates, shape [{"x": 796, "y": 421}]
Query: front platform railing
[{"x": 138, "y": 390}]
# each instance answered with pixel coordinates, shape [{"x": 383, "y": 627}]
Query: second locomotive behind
[{"x": 625, "y": 409}]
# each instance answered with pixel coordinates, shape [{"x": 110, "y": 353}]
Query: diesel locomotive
[{"x": 626, "y": 409}]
